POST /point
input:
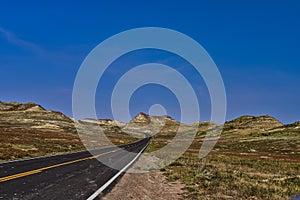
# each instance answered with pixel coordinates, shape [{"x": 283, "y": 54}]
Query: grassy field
[
  {"x": 241, "y": 167},
  {"x": 21, "y": 142}
]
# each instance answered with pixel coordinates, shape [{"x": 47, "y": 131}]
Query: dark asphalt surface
[{"x": 69, "y": 176}]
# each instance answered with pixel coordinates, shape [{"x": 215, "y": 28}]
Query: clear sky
[{"x": 255, "y": 45}]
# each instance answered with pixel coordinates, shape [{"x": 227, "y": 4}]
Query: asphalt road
[{"x": 68, "y": 176}]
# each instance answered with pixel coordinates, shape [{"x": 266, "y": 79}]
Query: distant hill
[
  {"x": 284, "y": 129},
  {"x": 241, "y": 125},
  {"x": 144, "y": 123},
  {"x": 251, "y": 124},
  {"x": 14, "y": 106},
  {"x": 28, "y": 129},
  {"x": 31, "y": 116}
]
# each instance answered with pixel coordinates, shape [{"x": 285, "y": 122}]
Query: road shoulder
[{"x": 145, "y": 186}]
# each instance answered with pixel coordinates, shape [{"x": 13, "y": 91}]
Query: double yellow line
[{"x": 35, "y": 171}]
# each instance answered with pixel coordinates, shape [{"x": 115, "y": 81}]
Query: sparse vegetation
[
  {"x": 28, "y": 130},
  {"x": 255, "y": 158},
  {"x": 243, "y": 167}
]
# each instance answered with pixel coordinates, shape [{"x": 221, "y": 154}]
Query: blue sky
[{"x": 255, "y": 45}]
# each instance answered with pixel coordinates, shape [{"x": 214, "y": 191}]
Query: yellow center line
[{"x": 35, "y": 171}]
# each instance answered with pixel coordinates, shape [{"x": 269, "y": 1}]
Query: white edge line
[{"x": 103, "y": 187}]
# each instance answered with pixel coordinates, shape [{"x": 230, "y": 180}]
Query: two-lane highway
[{"x": 69, "y": 176}]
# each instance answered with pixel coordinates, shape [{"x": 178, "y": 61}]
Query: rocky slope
[
  {"x": 143, "y": 123},
  {"x": 28, "y": 130},
  {"x": 30, "y": 116},
  {"x": 284, "y": 129}
]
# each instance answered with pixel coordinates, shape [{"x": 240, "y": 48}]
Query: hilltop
[
  {"x": 251, "y": 124},
  {"x": 31, "y": 116}
]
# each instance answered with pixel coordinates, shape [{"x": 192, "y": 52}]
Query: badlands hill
[
  {"x": 33, "y": 117},
  {"x": 28, "y": 130}
]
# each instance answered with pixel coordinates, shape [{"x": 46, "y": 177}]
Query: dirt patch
[{"x": 145, "y": 186}]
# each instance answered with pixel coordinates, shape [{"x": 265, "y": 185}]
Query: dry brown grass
[{"x": 243, "y": 167}]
